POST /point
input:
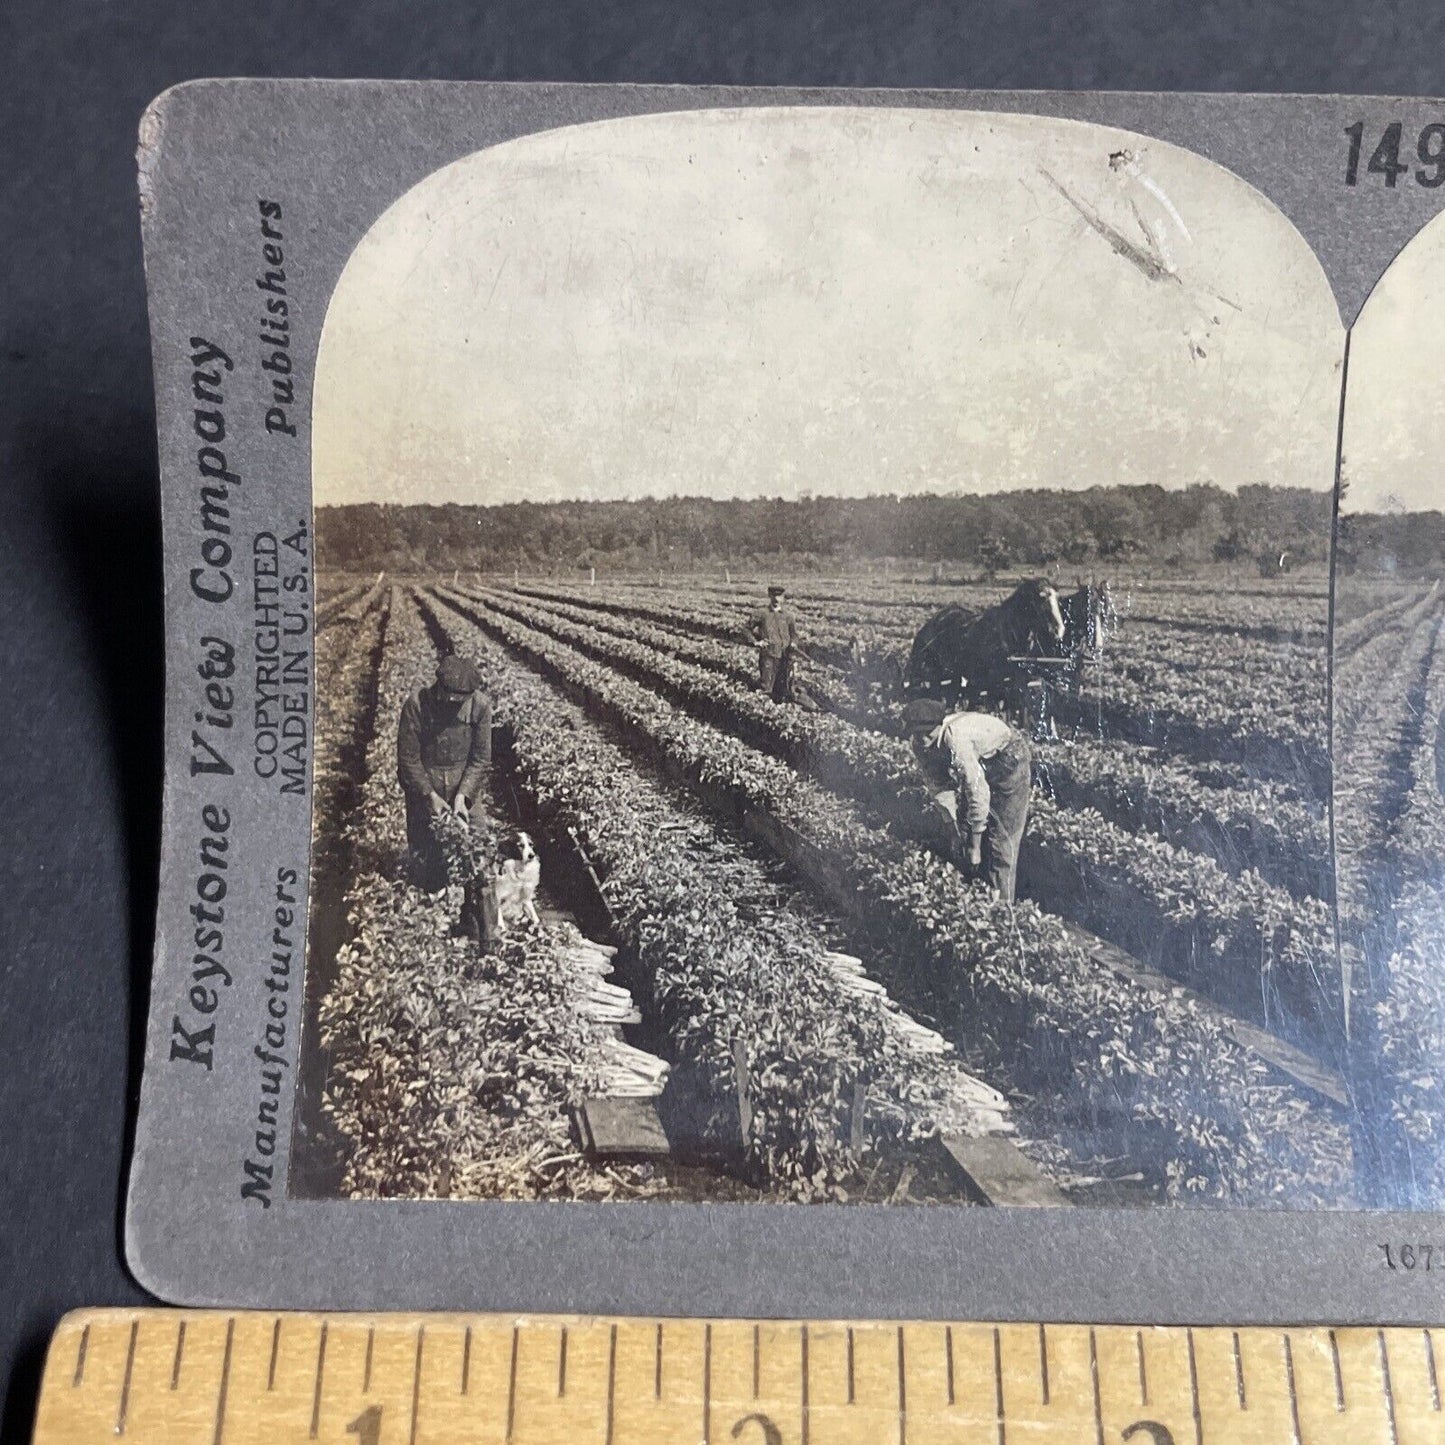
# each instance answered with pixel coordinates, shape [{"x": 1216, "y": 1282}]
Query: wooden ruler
[{"x": 239, "y": 1378}]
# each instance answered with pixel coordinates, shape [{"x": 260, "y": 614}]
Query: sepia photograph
[
  {"x": 822, "y": 682},
  {"x": 1388, "y": 724}
]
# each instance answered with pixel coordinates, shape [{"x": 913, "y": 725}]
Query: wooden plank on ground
[
  {"x": 994, "y": 1171},
  {"x": 621, "y": 1129},
  {"x": 1284, "y": 1058},
  {"x": 1294, "y": 1063}
]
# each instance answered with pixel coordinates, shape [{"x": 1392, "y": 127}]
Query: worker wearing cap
[
  {"x": 979, "y": 766},
  {"x": 774, "y": 631},
  {"x": 444, "y": 759}
]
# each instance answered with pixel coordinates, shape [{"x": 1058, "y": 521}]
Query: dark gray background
[{"x": 79, "y": 530}]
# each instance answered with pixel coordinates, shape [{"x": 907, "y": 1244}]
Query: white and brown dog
[{"x": 515, "y": 884}]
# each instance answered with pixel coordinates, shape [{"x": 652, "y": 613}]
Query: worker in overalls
[
  {"x": 444, "y": 763},
  {"x": 978, "y": 769}
]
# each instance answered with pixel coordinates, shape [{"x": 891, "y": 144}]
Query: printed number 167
[{"x": 1385, "y": 159}]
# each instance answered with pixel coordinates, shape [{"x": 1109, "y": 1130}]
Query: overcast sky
[
  {"x": 1394, "y": 440},
  {"x": 774, "y": 302}
]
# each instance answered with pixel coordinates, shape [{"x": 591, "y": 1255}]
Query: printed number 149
[{"x": 1385, "y": 158}]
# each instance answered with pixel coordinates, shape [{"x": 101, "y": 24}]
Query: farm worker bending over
[
  {"x": 774, "y": 630},
  {"x": 444, "y": 759},
  {"x": 978, "y": 760}
]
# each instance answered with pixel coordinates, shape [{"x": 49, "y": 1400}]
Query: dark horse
[
  {"x": 1089, "y": 616},
  {"x": 978, "y": 659},
  {"x": 1056, "y": 673}
]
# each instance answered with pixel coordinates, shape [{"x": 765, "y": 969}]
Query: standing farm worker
[
  {"x": 979, "y": 766},
  {"x": 444, "y": 761},
  {"x": 774, "y": 631}
]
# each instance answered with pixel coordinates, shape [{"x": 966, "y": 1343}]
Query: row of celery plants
[
  {"x": 1280, "y": 732},
  {"x": 1377, "y": 723},
  {"x": 1405, "y": 1034},
  {"x": 347, "y": 656},
  {"x": 1240, "y": 937},
  {"x": 450, "y": 1072},
  {"x": 1351, "y": 636},
  {"x": 1242, "y": 825},
  {"x": 734, "y": 964},
  {"x": 1154, "y": 1071}
]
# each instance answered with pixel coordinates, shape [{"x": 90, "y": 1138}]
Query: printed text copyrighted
[{"x": 239, "y": 413}]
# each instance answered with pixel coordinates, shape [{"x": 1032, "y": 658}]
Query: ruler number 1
[
  {"x": 367, "y": 1426},
  {"x": 1385, "y": 158}
]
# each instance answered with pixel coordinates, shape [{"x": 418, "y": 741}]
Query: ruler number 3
[{"x": 1385, "y": 158}]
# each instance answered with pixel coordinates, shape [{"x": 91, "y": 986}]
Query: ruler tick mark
[
  {"x": 1044, "y": 1363},
  {"x": 124, "y": 1407},
  {"x": 948, "y": 1359},
  {"x": 1389, "y": 1387},
  {"x": 1430, "y": 1367},
  {"x": 1094, "y": 1377},
  {"x": 225, "y": 1384},
  {"x": 902, "y": 1392},
  {"x": 1339, "y": 1378},
  {"x": 758, "y": 1359},
  {"x": 707, "y": 1385},
  {"x": 1143, "y": 1371},
  {"x": 467, "y": 1357},
  {"x": 80, "y": 1358},
  {"x": 998, "y": 1386},
  {"x": 320, "y": 1372},
  {"x": 1239, "y": 1390},
  {"x": 275, "y": 1346},
  {"x": 416, "y": 1382},
  {"x": 1194, "y": 1389},
  {"x": 366, "y": 1369},
  {"x": 512, "y": 1385},
  {"x": 611, "y": 1381},
  {"x": 657, "y": 1366},
  {"x": 807, "y": 1407},
  {"x": 180, "y": 1349},
  {"x": 850, "y": 1366},
  {"x": 562, "y": 1363},
  {"x": 1293, "y": 1396}
]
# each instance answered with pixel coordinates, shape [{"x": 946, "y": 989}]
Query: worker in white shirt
[{"x": 978, "y": 766}]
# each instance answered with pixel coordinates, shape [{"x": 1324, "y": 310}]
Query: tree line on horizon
[{"x": 1035, "y": 528}]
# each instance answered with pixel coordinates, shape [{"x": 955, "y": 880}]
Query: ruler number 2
[
  {"x": 367, "y": 1426},
  {"x": 1385, "y": 158},
  {"x": 771, "y": 1434}
]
